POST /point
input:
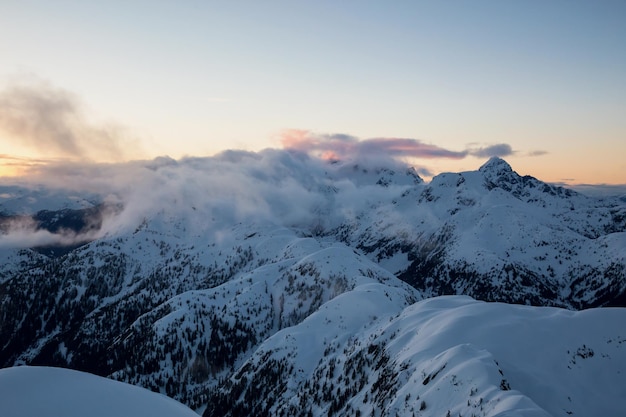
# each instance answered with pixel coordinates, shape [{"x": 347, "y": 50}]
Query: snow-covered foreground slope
[
  {"x": 363, "y": 354},
  {"x": 27, "y": 391}
]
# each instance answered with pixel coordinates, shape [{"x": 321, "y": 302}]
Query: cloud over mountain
[
  {"x": 343, "y": 146},
  {"x": 51, "y": 122},
  {"x": 284, "y": 188},
  {"x": 500, "y": 150}
]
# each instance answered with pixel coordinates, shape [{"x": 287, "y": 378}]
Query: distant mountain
[
  {"x": 28, "y": 200},
  {"x": 253, "y": 281},
  {"x": 497, "y": 236}
]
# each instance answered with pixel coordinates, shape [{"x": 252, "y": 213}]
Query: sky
[{"x": 442, "y": 85}]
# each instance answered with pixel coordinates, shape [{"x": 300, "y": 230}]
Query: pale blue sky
[{"x": 196, "y": 77}]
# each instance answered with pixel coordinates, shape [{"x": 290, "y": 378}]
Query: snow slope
[
  {"x": 27, "y": 391},
  {"x": 362, "y": 354}
]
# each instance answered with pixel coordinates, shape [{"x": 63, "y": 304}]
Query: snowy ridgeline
[{"x": 360, "y": 354}]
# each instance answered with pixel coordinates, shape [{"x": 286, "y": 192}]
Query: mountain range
[{"x": 275, "y": 283}]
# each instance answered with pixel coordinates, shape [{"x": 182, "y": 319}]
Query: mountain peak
[{"x": 496, "y": 165}]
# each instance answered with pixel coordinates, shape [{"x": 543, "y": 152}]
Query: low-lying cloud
[
  {"x": 24, "y": 231},
  {"x": 311, "y": 184},
  {"x": 205, "y": 196},
  {"x": 22, "y": 236}
]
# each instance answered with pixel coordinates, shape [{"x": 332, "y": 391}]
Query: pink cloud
[
  {"x": 341, "y": 146},
  {"x": 409, "y": 147},
  {"x": 325, "y": 146}
]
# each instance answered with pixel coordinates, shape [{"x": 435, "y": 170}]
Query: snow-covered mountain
[
  {"x": 27, "y": 391},
  {"x": 497, "y": 236},
  {"x": 363, "y": 354},
  {"x": 254, "y": 281}
]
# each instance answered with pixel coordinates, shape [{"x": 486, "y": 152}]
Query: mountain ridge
[{"x": 185, "y": 281}]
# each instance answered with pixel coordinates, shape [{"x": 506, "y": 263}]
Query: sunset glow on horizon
[{"x": 440, "y": 85}]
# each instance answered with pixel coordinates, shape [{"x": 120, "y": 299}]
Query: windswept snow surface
[
  {"x": 361, "y": 354},
  {"x": 566, "y": 362},
  {"x": 27, "y": 391}
]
